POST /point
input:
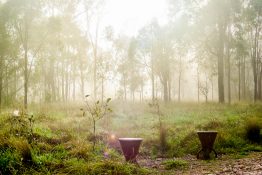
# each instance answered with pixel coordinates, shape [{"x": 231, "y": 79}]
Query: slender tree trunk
[
  {"x": 254, "y": 65},
  {"x": 7, "y": 97},
  {"x": 125, "y": 87},
  {"x": 152, "y": 79},
  {"x": 1, "y": 81},
  {"x": 244, "y": 78},
  {"x": 95, "y": 60},
  {"x": 239, "y": 79},
  {"x": 169, "y": 89},
  {"x": 179, "y": 79},
  {"x": 220, "y": 62},
  {"x": 102, "y": 94},
  {"x": 206, "y": 90},
  {"x": 259, "y": 84},
  {"x": 198, "y": 84},
  {"x": 82, "y": 81},
  {"x": 67, "y": 84},
  {"x": 63, "y": 81},
  {"x": 165, "y": 84},
  {"x": 212, "y": 88},
  {"x": 228, "y": 68},
  {"x": 74, "y": 80},
  {"x": 51, "y": 79},
  {"x": 25, "y": 73}
]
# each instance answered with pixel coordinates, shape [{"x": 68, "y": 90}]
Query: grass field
[{"x": 59, "y": 138}]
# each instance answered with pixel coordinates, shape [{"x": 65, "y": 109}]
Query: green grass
[
  {"x": 62, "y": 137},
  {"x": 175, "y": 164}
]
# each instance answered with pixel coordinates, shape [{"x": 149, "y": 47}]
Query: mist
[{"x": 83, "y": 81}]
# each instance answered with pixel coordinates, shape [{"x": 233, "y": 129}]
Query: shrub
[
  {"x": 23, "y": 148},
  {"x": 81, "y": 150},
  {"x": 10, "y": 161},
  {"x": 253, "y": 128},
  {"x": 175, "y": 164}
]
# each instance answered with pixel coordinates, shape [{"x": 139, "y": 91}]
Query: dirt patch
[{"x": 227, "y": 165}]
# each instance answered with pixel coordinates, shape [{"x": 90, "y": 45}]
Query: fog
[{"x": 175, "y": 50}]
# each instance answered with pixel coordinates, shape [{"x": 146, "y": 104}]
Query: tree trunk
[
  {"x": 197, "y": 84},
  {"x": 25, "y": 46},
  {"x": 95, "y": 61},
  {"x": 228, "y": 67},
  {"x": 63, "y": 81},
  {"x": 152, "y": 79},
  {"x": 179, "y": 79},
  {"x": 244, "y": 78},
  {"x": 125, "y": 87},
  {"x": 259, "y": 84},
  {"x": 67, "y": 84},
  {"x": 52, "y": 79},
  {"x": 169, "y": 89},
  {"x": 239, "y": 79},
  {"x": 102, "y": 94},
  {"x": 165, "y": 84},
  {"x": 220, "y": 62},
  {"x": 206, "y": 90},
  {"x": 212, "y": 88},
  {"x": 82, "y": 81},
  {"x": 1, "y": 81},
  {"x": 25, "y": 72},
  {"x": 179, "y": 86}
]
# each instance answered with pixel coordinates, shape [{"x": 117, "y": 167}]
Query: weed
[{"x": 175, "y": 164}]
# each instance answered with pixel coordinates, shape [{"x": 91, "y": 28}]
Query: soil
[{"x": 250, "y": 164}]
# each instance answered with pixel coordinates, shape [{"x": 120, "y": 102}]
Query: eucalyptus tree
[
  {"x": 4, "y": 44},
  {"x": 94, "y": 11},
  {"x": 146, "y": 40},
  {"x": 253, "y": 20},
  {"x": 24, "y": 19},
  {"x": 163, "y": 55}
]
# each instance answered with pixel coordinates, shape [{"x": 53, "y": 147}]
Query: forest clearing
[
  {"x": 61, "y": 140},
  {"x": 123, "y": 87}
]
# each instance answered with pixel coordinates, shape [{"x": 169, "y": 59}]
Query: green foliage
[
  {"x": 96, "y": 110},
  {"x": 10, "y": 161},
  {"x": 52, "y": 153},
  {"x": 175, "y": 164},
  {"x": 114, "y": 168}
]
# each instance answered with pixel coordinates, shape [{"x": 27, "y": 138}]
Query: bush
[
  {"x": 175, "y": 164},
  {"x": 23, "y": 148},
  {"x": 253, "y": 128},
  {"x": 10, "y": 161}
]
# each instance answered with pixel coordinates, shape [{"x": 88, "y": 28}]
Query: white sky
[{"x": 128, "y": 16}]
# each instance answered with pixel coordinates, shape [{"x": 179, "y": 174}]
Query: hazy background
[{"x": 175, "y": 50}]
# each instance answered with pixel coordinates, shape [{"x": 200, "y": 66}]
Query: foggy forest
[{"x": 130, "y": 87}]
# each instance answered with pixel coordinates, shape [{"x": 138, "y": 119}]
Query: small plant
[
  {"x": 22, "y": 124},
  {"x": 96, "y": 110},
  {"x": 175, "y": 164},
  {"x": 253, "y": 128},
  {"x": 162, "y": 129}
]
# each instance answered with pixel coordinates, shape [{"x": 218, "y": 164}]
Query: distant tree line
[{"x": 48, "y": 55}]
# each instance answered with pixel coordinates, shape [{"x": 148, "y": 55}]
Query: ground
[
  {"x": 227, "y": 164},
  {"x": 58, "y": 139}
]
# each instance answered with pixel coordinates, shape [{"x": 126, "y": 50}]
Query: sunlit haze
[
  {"x": 137, "y": 87},
  {"x": 128, "y": 16}
]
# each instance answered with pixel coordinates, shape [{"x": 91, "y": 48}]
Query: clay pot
[
  {"x": 207, "y": 139},
  {"x": 130, "y": 148}
]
